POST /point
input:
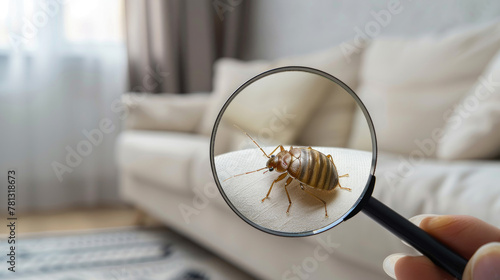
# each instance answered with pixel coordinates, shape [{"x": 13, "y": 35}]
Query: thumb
[{"x": 484, "y": 264}]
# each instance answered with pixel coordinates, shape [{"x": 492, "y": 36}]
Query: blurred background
[{"x": 106, "y": 108}]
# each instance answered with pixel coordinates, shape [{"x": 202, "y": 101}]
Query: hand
[{"x": 470, "y": 237}]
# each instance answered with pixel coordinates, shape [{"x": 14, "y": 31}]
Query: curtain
[
  {"x": 172, "y": 44},
  {"x": 62, "y": 70}
]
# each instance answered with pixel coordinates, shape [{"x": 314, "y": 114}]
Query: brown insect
[{"x": 307, "y": 165}]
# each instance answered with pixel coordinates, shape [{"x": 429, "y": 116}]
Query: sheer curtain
[{"x": 62, "y": 71}]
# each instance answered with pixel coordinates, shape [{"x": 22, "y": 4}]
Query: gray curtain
[{"x": 172, "y": 44}]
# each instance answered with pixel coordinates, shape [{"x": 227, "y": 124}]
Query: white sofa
[
  {"x": 159, "y": 171},
  {"x": 408, "y": 84}
]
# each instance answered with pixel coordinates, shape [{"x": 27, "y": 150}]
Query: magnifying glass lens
[{"x": 281, "y": 151}]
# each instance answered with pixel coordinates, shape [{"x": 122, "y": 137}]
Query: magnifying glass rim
[{"x": 282, "y": 70}]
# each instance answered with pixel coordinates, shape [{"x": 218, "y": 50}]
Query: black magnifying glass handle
[{"x": 440, "y": 254}]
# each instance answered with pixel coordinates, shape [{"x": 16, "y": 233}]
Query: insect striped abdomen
[{"x": 316, "y": 170}]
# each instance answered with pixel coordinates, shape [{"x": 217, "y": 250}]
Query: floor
[
  {"x": 132, "y": 246},
  {"x": 81, "y": 219}
]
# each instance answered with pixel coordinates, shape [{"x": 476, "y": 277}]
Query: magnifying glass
[{"x": 280, "y": 158}]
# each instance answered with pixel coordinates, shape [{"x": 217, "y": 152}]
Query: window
[
  {"x": 91, "y": 21},
  {"x": 71, "y": 22}
]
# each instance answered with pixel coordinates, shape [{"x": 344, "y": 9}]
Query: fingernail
[
  {"x": 487, "y": 265},
  {"x": 390, "y": 262},
  {"x": 419, "y": 218}
]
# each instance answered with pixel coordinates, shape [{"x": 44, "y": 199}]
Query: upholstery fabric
[
  {"x": 472, "y": 131},
  {"x": 409, "y": 84},
  {"x": 161, "y": 158}
]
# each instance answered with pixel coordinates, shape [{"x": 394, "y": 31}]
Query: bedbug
[{"x": 306, "y": 165}]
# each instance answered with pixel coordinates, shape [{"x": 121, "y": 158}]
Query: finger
[
  {"x": 484, "y": 264},
  {"x": 417, "y": 268},
  {"x": 464, "y": 234}
]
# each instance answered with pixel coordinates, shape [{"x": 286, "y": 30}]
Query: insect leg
[
  {"x": 345, "y": 175},
  {"x": 288, "y": 181},
  {"x": 281, "y": 149},
  {"x": 302, "y": 187},
  {"x": 281, "y": 177},
  {"x": 344, "y": 188}
]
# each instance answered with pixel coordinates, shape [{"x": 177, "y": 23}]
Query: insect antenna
[
  {"x": 251, "y": 139},
  {"x": 245, "y": 173}
]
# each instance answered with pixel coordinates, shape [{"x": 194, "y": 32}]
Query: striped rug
[{"x": 118, "y": 254}]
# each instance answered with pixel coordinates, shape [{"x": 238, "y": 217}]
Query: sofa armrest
[
  {"x": 466, "y": 187},
  {"x": 166, "y": 111}
]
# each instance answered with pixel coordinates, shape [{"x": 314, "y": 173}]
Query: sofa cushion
[
  {"x": 275, "y": 109},
  {"x": 326, "y": 130},
  {"x": 439, "y": 187},
  {"x": 409, "y": 84},
  {"x": 472, "y": 131},
  {"x": 165, "y": 111},
  {"x": 162, "y": 158}
]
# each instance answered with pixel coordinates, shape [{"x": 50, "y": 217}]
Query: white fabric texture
[
  {"x": 472, "y": 131},
  {"x": 409, "y": 84},
  {"x": 162, "y": 158},
  {"x": 166, "y": 111},
  {"x": 231, "y": 73},
  {"x": 306, "y": 213}
]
